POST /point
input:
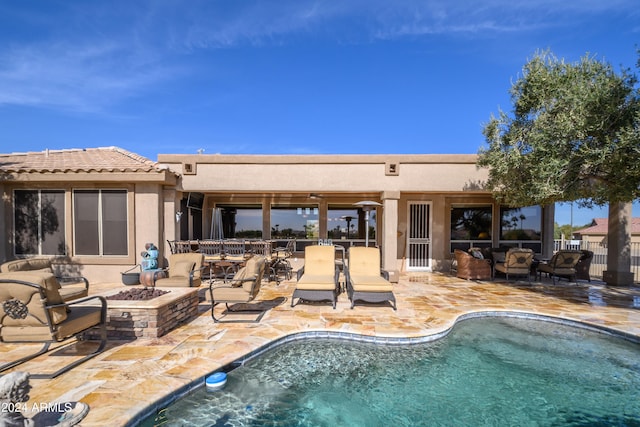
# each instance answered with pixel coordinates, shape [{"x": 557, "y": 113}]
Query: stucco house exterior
[
  {"x": 596, "y": 233},
  {"x": 110, "y": 202}
]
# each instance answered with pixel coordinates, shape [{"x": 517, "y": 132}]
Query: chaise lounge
[
  {"x": 318, "y": 277},
  {"x": 366, "y": 281}
]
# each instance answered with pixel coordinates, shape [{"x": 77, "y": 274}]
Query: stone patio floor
[{"x": 130, "y": 376}]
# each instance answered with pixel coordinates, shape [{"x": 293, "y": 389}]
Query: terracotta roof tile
[
  {"x": 103, "y": 159},
  {"x": 601, "y": 226}
]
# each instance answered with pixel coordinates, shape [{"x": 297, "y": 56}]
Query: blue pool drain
[{"x": 215, "y": 382}]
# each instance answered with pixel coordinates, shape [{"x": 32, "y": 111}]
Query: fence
[{"x": 599, "y": 262}]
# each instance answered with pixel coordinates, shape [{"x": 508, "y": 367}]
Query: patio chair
[
  {"x": 179, "y": 246},
  {"x": 242, "y": 289},
  {"x": 212, "y": 251},
  {"x": 185, "y": 270},
  {"x": 281, "y": 258},
  {"x": 517, "y": 262},
  {"x": 234, "y": 250},
  {"x": 318, "y": 277},
  {"x": 562, "y": 264},
  {"x": 584, "y": 265},
  {"x": 72, "y": 286},
  {"x": 366, "y": 281},
  {"x": 264, "y": 248},
  {"x": 470, "y": 268},
  {"x": 33, "y": 311}
]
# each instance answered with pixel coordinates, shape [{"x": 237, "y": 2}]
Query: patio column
[
  {"x": 618, "y": 271},
  {"x": 390, "y": 234}
]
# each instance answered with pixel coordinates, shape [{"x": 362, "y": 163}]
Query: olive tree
[{"x": 573, "y": 135}]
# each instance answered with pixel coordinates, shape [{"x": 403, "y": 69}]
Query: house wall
[
  {"x": 393, "y": 180},
  {"x": 146, "y": 213}
]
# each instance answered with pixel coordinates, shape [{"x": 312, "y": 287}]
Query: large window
[
  {"x": 39, "y": 222},
  {"x": 294, "y": 222},
  {"x": 241, "y": 222},
  {"x": 470, "y": 226},
  {"x": 342, "y": 223},
  {"x": 100, "y": 222},
  {"x": 522, "y": 225}
]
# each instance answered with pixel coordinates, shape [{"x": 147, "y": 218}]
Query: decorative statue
[
  {"x": 150, "y": 255},
  {"x": 14, "y": 395}
]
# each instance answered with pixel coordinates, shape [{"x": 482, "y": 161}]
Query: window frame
[
  {"x": 100, "y": 220},
  {"x": 39, "y": 237},
  {"x": 465, "y": 244}
]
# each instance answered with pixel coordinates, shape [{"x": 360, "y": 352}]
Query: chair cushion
[
  {"x": 476, "y": 253},
  {"x": 227, "y": 294},
  {"x": 27, "y": 264},
  {"x": 364, "y": 283},
  {"x": 364, "y": 261},
  {"x": 319, "y": 260},
  {"x": 238, "y": 278},
  {"x": 181, "y": 268},
  {"x": 51, "y": 289},
  {"x": 319, "y": 282}
]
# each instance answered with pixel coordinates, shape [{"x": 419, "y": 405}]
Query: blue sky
[{"x": 287, "y": 76}]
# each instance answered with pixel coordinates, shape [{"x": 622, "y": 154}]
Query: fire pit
[
  {"x": 137, "y": 294},
  {"x": 130, "y": 316}
]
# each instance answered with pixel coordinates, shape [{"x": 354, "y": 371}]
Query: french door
[{"x": 418, "y": 250}]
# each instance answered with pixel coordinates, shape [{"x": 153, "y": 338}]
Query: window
[
  {"x": 39, "y": 222},
  {"x": 100, "y": 222},
  {"x": 470, "y": 226},
  {"x": 342, "y": 223},
  {"x": 241, "y": 222},
  {"x": 523, "y": 225},
  {"x": 295, "y": 222}
]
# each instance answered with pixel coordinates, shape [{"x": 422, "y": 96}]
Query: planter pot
[{"x": 131, "y": 279}]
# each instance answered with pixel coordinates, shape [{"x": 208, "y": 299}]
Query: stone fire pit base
[{"x": 130, "y": 319}]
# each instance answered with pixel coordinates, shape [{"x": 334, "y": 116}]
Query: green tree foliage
[{"x": 574, "y": 135}]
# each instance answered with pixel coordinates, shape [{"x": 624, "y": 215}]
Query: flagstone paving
[{"x": 130, "y": 376}]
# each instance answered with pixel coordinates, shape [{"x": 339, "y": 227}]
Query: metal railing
[{"x": 599, "y": 262}]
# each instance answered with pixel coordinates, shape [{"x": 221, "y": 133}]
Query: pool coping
[{"x": 160, "y": 404}]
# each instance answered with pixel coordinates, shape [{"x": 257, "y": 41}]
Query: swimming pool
[{"x": 487, "y": 371}]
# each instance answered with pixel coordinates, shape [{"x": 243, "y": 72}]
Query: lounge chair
[
  {"x": 318, "y": 277},
  {"x": 243, "y": 288},
  {"x": 517, "y": 262},
  {"x": 72, "y": 286},
  {"x": 562, "y": 264},
  {"x": 33, "y": 311},
  {"x": 366, "y": 281},
  {"x": 185, "y": 270},
  {"x": 470, "y": 268}
]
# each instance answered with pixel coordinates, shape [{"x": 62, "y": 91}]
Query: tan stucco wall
[{"x": 337, "y": 173}]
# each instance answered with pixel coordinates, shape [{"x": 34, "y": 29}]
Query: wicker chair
[
  {"x": 517, "y": 262},
  {"x": 562, "y": 264},
  {"x": 471, "y": 268}
]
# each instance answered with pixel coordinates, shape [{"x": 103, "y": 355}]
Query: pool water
[{"x": 486, "y": 372}]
